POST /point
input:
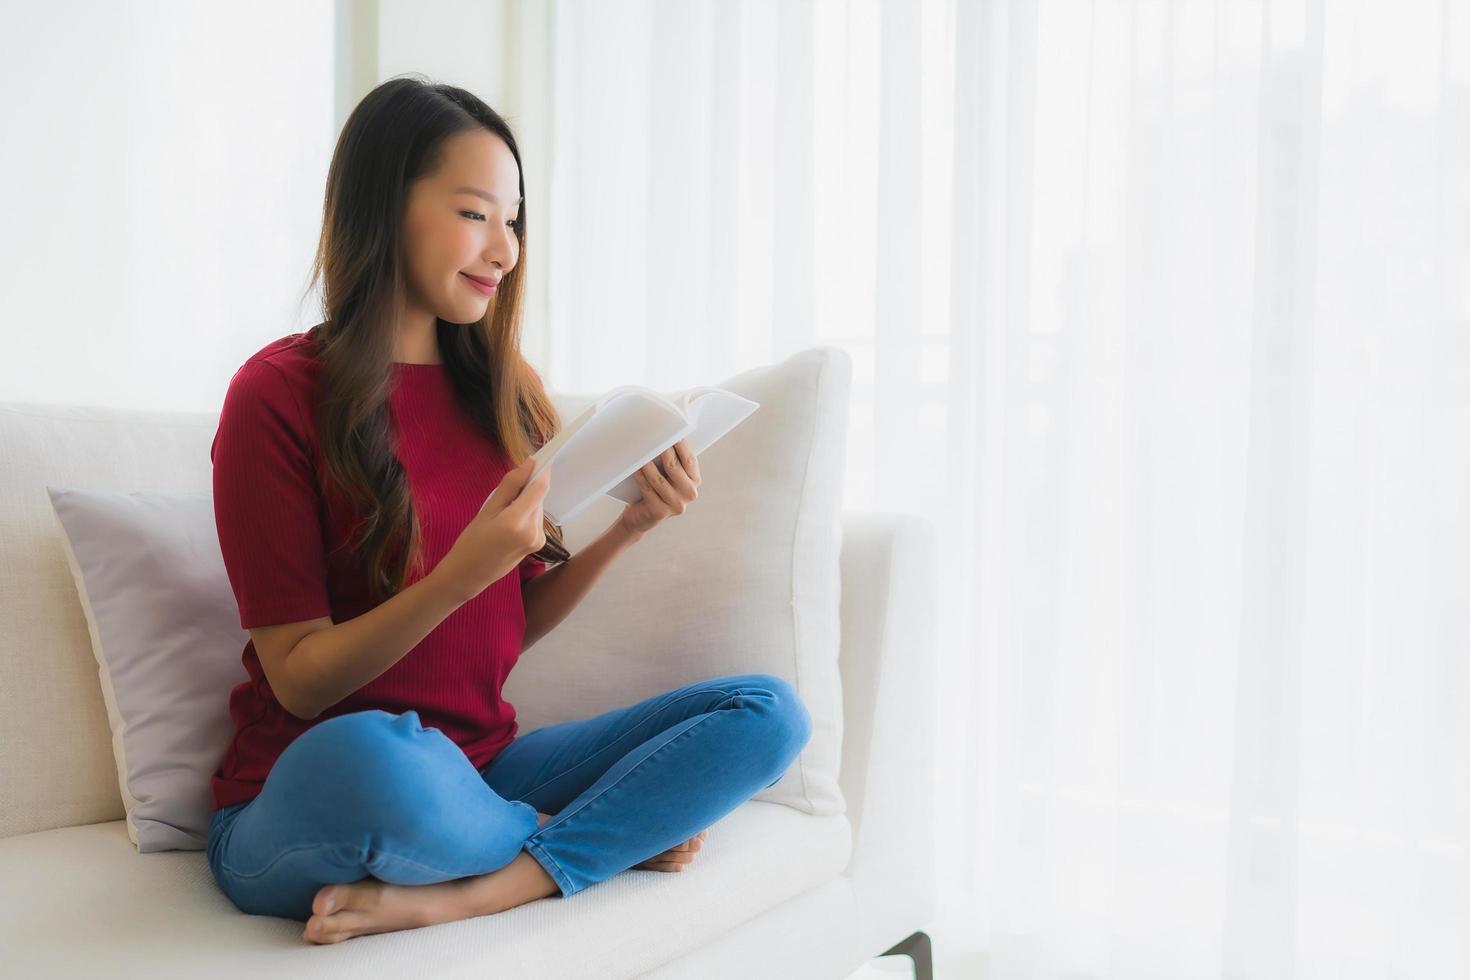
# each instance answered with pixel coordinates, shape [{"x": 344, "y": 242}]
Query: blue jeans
[{"x": 375, "y": 794}]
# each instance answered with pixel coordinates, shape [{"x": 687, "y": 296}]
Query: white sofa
[{"x": 778, "y": 893}]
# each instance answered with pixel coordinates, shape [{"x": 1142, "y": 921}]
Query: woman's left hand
[{"x": 663, "y": 496}]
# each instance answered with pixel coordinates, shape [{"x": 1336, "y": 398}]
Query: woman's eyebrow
[{"x": 479, "y": 193}]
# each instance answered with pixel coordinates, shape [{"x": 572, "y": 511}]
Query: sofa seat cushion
[{"x": 82, "y": 901}]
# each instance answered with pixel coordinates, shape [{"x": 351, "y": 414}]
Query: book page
[
  {"x": 613, "y": 438},
  {"x": 712, "y": 413}
]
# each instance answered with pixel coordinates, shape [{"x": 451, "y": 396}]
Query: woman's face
[{"x": 453, "y": 231}]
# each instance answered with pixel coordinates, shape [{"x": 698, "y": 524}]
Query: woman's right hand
[{"x": 508, "y": 527}]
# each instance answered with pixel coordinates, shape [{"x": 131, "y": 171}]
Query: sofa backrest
[
  {"x": 56, "y": 762},
  {"x": 57, "y": 765}
]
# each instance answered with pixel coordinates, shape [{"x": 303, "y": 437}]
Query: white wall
[{"x": 164, "y": 165}]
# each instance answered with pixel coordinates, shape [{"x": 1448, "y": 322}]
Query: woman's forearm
[
  {"x": 552, "y": 595},
  {"x": 327, "y": 665}
]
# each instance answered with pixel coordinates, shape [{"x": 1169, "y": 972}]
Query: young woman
[{"x": 391, "y": 561}]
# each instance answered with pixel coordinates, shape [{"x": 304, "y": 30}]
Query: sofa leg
[{"x": 917, "y": 948}]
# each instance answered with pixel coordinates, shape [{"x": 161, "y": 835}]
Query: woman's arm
[
  {"x": 313, "y": 669},
  {"x": 552, "y": 595}
]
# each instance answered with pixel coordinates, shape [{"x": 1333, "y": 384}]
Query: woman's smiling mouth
[{"x": 483, "y": 285}]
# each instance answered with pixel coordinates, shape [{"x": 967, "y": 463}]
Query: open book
[{"x": 599, "y": 451}]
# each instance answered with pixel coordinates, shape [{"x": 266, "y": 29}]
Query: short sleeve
[{"x": 267, "y": 505}]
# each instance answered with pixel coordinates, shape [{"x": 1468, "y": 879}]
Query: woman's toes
[
  {"x": 676, "y": 857},
  {"x": 337, "y": 927},
  {"x": 316, "y": 930},
  {"x": 327, "y": 901}
]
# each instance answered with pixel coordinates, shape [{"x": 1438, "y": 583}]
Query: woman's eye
[{"x": 480, "y": 217}]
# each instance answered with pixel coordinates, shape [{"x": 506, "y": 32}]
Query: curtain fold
[{"x": 1161, "y": 311}]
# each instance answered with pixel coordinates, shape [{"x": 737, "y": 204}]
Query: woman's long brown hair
[{"x": 393, "y": 137}]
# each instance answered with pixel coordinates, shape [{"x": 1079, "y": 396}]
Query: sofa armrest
[{"x": 889, "y": 692}]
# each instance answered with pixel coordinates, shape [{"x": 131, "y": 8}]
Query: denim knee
[
  {"x": 790, "y": 714},
  {"x": 375, "y": 764}
]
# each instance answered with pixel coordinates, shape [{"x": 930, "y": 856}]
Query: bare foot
[
  {"x": 359, "y": 908},
  {"x": 676, "y": 858}
]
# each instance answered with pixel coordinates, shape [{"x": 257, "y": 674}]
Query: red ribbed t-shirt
[{"x": 286, "y": 560}]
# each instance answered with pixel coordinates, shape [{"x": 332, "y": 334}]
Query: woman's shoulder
[
  {"x": 279, "y": 379},
  {"x": 291, "y": 358},
  {"x": 293, "y": 354}
]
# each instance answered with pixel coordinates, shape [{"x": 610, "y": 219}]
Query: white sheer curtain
[{"x": 1162, "y": 311}]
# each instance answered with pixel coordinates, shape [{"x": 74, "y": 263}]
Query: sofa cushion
[
  {"x": 56, "y": 763},
  {"x": 79, "y": 901},
  {"x": 745, "y": 580},
  {"x": 166, "y": 636}
]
